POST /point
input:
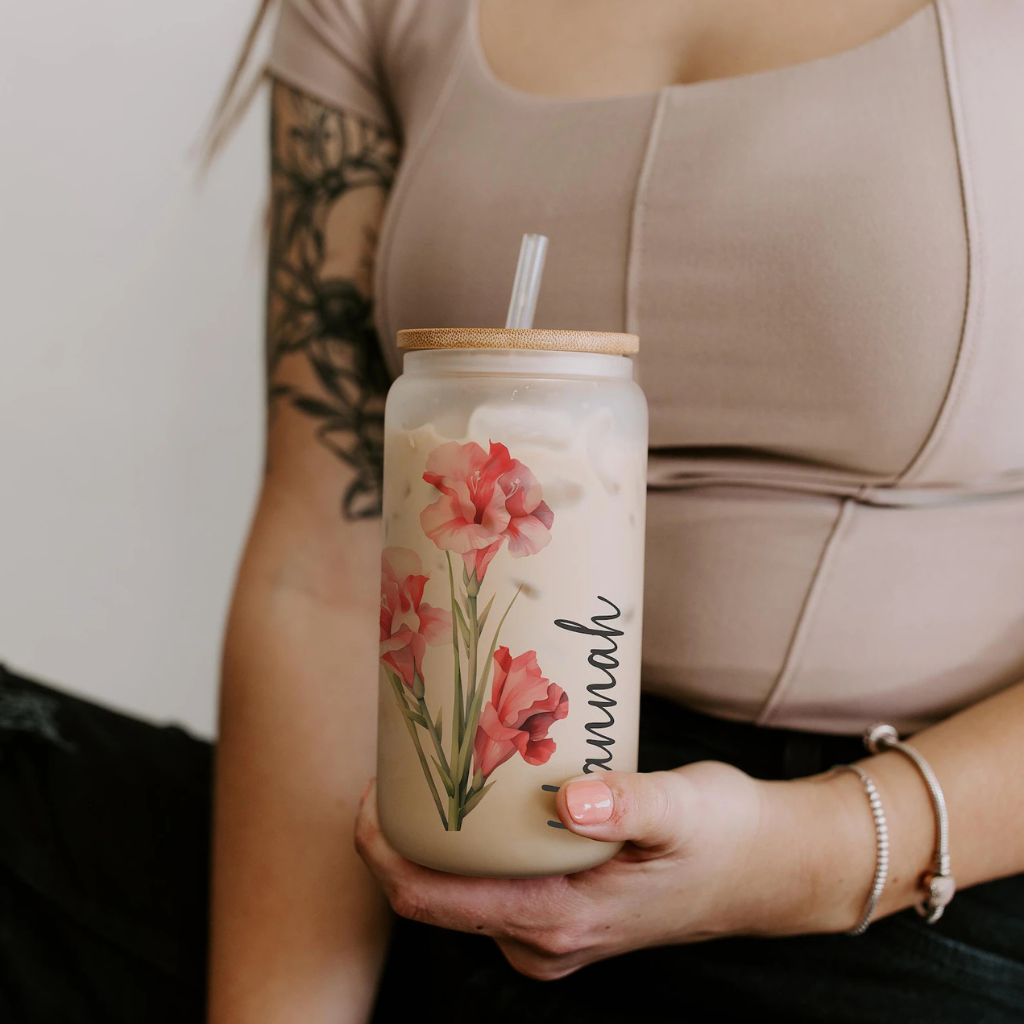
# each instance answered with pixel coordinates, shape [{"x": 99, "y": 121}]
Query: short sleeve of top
[{"x": 326, "y": 48}]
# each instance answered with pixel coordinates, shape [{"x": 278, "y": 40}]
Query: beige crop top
[{"x": 824, "y": 263}]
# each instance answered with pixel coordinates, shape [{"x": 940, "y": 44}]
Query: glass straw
[{"x": 527, "y": 284}]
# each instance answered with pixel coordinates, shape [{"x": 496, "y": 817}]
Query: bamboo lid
[{"x": 603, "y": 342}]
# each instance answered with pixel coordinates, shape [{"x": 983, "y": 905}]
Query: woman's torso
[{"x": 821, "y": 273}]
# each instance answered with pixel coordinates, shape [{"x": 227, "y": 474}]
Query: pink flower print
[
  {"x": 407, "y": 623},
  {"x": 522, "y": 707},
  {"x": 486, "y": 499}
]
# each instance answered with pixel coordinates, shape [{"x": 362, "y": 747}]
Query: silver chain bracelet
[
  {"x": 938, "y": 883},
  {"x": 881, "y": 846}
]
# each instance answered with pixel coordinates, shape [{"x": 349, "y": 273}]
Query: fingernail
[{"x": 589, "y": 803}]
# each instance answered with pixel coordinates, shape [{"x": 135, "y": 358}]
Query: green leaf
[
  {"x": 482, "y": 621},
  {"x": 478, "y": 686},
  {"x": 475, "y": 799},
  {"x": 438, "y": 727},
  {"x": 415, "y": 716},
  {"x": 463, "y": 628},
  {"x": 397, "y": 686},
  {"x": 485, "y": 667},
  {"x": 449, "y": 788}
]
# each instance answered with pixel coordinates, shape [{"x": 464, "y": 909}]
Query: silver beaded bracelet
[
  {"x": 938, "y": 883},
  {"x": 881, "y": 846}
]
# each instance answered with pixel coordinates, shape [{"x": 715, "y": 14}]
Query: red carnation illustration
[
  {"x": 486, "y": 499},
  {"x": 522, "y": 708},
  {"x": 407, "y": 622}
]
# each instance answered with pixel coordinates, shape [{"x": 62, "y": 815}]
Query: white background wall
[{"x": 130, "y": 347}]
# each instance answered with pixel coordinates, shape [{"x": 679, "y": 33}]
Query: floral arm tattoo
[{"x": 324, "y": 357}]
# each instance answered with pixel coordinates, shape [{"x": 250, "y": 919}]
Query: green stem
[
  {"x": 460, "y": 709},
  {"x": 433, "y": 735},
  {"x": 461, "y": 781},
  {"x": 459, "y": 776},
  {"x": 462, "y": 766},
  {"x": 459, "y": 714},
  {"x": 497, "y": 630},
  {"x": 474, "y": 644},
  {"x": 396, "y": 685}
]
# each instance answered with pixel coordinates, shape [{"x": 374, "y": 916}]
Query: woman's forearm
[
  {"x": 825, "y": 825},
  {"x": 978, "y": 757},
  {"x": 299, "y": 925}
]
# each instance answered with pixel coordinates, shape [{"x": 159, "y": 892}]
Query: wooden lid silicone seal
[{"x": 603, "y": 342}]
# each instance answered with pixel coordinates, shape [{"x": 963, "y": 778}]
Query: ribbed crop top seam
[
  {"x": 812, "y": 600},
  {"x": 634, "y": 255},
  {"x": 406, "y": 174},
  {"x": 970, "y": 330}
]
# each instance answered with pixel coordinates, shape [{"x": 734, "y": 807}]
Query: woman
[
  {"x": 774, "y": 198},
  {"x": 803, "y": 210}
]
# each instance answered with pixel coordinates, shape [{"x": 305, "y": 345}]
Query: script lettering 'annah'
[{"x": 604, "y": 660}]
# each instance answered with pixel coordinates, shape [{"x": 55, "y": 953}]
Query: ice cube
[
  {"x": 561, "y": 493},
  {"x": 528, "y": 425},
  {"x": 451, "y": 425},
  {"x": 607, "y": 455}
]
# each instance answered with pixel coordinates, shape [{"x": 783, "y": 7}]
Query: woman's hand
[{"x": 710, "y": 851}]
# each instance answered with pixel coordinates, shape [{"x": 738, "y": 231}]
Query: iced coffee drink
[{"x": 511, "y": 592}]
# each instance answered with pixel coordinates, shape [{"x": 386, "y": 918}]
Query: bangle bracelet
[
  {"x": 881, "y": 846},
  {"x": 938, "y": 883}
]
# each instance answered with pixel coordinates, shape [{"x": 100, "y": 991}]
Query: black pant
[{"x": 104, "y": 844}]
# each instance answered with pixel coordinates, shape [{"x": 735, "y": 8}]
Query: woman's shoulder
[
  {"x": 379, "y": 23},
  {"x": 366, "y": 55},
  {"x": 418, "y": 41},
  {"x": 411, "y": 24}
]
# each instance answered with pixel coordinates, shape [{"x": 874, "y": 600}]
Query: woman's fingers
[
  {"x": 522, "y": 908},
  {"x": 540, "y": 963},
  {"x": 654, "y": 810},
  {"x": 385, "y": 862}
]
